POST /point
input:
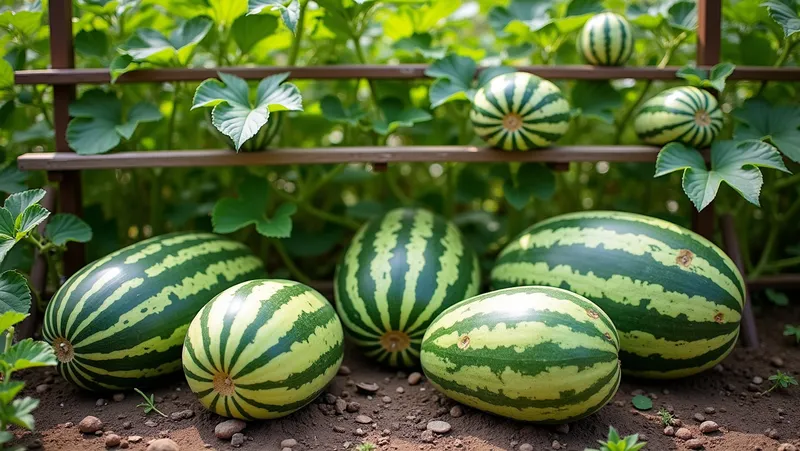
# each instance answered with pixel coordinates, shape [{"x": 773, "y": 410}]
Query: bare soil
[{"x": 742, "y": 413}]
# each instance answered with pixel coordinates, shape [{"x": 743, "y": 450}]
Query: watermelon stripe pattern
[
  {"x": 263, "y": 349},
  {"x": 686, "y": 114},
  {"x": 606, "y": 40},
  {"x": 520, "y": 111},
  {"x": 398, "y": 273},
  {"x": 675, "y": 298},
  {"x": 120, "y": 322},
  {"x": 530, "y": 353}
]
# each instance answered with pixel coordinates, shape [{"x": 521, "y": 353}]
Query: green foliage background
[{"x": 490, "y": 202}]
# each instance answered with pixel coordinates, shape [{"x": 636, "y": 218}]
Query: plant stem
[
  {"x": 395, "y": 188},
  {"x": 329, "y": 175},
  {"x": 767, "y": 251},
  {"x": 295, "y": 50},
  {"x": 363, "y": 60},
  {"x": 290, "y": 265},
  {"x": 324, "y": 215},
  {"x": 173, "y": 115},
  {"x": 786, "y": 52}
]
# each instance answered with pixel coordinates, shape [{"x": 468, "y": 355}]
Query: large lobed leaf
[
  {"x": 786, "y": 13},
  {"x": 149, "y": 45},
  {"x": 230, "y": 215},
  {"x": 15, "y": 296},
  {"x": 289, "y": 10},
  {"x": 64, "y": 227},
  {"x": 779, "y": 124}
]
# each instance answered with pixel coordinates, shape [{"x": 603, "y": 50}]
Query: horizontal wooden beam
[
  {"x": 68, "y": 161},
  {"x": 776, "y": 281},
  {"x": 375, "y": 72}
]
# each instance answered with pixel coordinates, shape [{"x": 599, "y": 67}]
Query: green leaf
[
  {"x": 521, "y": 16},
  {"x": 419, "y": 43},
  {"x": 596, "y": 98},
  {"x": 777, "y": 298},
  {"x": 786, "y": 13},
  {"x": 454, "y": 75},
  {"x": 10, "y": 390},
  {"x": 755, "y": 49},
  {"x": 641, "y": 402},
  {"x": 648, "y": 16},
  {"x": 120, "y": 65},
  {"x": 20, "y": 411},
  {"x": 92, "y": 43},
  {"x": 395, "y": 115},
  {"x": 40, "y": 131},
  {"x": 487, "y": 74},
  {"x": 757, "y": 119},
  {"x": 234, "y": 114},
  {"x": 230, "y": 215},
  {"x": 683, "y": 15},
  {"x": 23, "y": 22},
  {"x": 577, "y": 14},
  {"x": 19, "y": 202},
  {"x": 6, "y": 75},
  {"x": 8, "y": 234},
  {"x": 30, "y": 218},
  {"x": 149, "y": 45},
  {"x": 15, "y": 296},
  {"x": 531, "y": 179},
  {"x": 225, "y": 12},
  {"x": 10, "y": 318},
  {"x": 65, "y": 227},
  {"x": 12, "y": 179},
  {"x": 28, "y": 353},
  {"x": 693, "y": 75},
  {"x": 6, "y": 111},
  {"x": 334, "y": 111},
  {"x": 719, "y": 74},
  {"x": 249, "y": 30},
  {"x": 289, "y": 10},
  {"x": 733, "y": 162},
  {"x": 139, "y": 113}
]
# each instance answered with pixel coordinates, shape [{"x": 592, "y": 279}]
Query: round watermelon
[
  {"x": 262, "y": 349},
  {"x": 397, "y": 274},
  {"x": 532, "y": 353},
  {"x": 606, "y": 40},
  {"x": 119, "y": 322},
  {"x": 520, "y": 111},
  {"x": 686, "y": 114},
  {"x": 675, "y": 298}
]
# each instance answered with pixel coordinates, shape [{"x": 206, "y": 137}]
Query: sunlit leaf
[
  {"x": 6, "y": 75},
  {"x": 28, "y": 353},
  {"x": 21, "y": 412},
  {"x": 779, "y": 124},
  {"x": 454, "y": 75},
  {"x": 149, "y": 45},
  {"x": 786, "y": 13},
  {"x": 18, "y": 202},
  {"x": 30, "y": 218},
  {"x": 683, "y": 15},
  {"x": 26, "y": 23},
  {"x": 289, "y": 10},
  {"x": 92, "y": 43},
  {"x": 248, "y": 30},
  {"x": 65, "y": 227},
  {"x": 395, "y": 115},
  {"x": 15, "y": 296}
]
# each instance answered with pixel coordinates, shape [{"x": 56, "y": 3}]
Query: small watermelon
[
  {"x": 520, "y": 111},
  {"x": 685, "y": 114},
  {"x": 606, "y": 40},
  {"x": 262, "y": 349},
  {"x": 529, "y": 353},
  {"x": 397, "y": 274}
]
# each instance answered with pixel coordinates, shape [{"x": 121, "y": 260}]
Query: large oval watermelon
[
  {"x": 520, "y": 111},
  {"x": 262, "y": 349},
  {"x": 606, "y": 40},
  {"x": 675, "y": 298},
  {"x": 120, "y": 322},
  {"x": 530, "y": 353},
  {"x": 685, "y": 114},
  {"x": 398, "y": 273}
]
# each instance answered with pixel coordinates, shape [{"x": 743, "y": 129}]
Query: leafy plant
[
  {"x": 642, "y": 402},
  {"x": 782, "y": 380},
  {"x": 366, "y": 446},
  {"x": 792, "y": 331},
  {"x": 230, "y": 214},
  {"x": 615, "y": 443},
  {"x": 776, "y": 297},
  {"x": 149, "y": 404},
  {"x": 715, "y": 78},
  {"x": 665, "y": 417},
  {"x": 15, "y": 303},
  {"x": 455, "y": 79}
]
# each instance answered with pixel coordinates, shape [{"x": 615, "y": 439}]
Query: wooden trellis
[{"x": 64, "y": 166}]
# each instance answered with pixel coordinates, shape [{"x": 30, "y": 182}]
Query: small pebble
[
  {"x": 99, "y": 433},
  {"x": 665, "y": 391},
  {"x": 286, "y": 449},
  {"x": 683, "y": 434},
  {"x": 344, "y": 370},
  {"x": 676, "y": 422},
  {"x": 414, "y": 378},
  {"x": 758, "y": 380},
  {"x": 456, "y": 411},
  {"x": 773, "y": 434},
  {"x": 135, "y": 438},
  {"x": 90, "y": 425},
  {"x": 127, "y": 425},
  {"x": 237, "y": 440},
  {"x": 289, "y": 443},
  {"x": 699, "y": 417},
  {"x": 329, "y": 398},
  {"x": 386, "y": 399},
  {"x": 776, "y": 362},
  {"x": 41, "y": 388},
  {"x": 439, "y": 427},
  {"x": 400, "y": 390},
  {"x": 163, "y": 444},
  {"x": 340, "y": 407},
  {"x": 123, "y": 444},
  {"x": 118, "y": 397},
  {"x": 427, "y": 436},
  {"x": 226, "y": 429},
  {"x": 150, "y": 423},
  {"x": 339, "y": 429},
  {"x": 710, "y": 410},
  {"x": 369, "y": 388},
  {"x": 708, "y": 427},
  {"x": 556, "y": 445},
  {"x": 730, "y": 387},
  {"x": 695, "y": 443},
  {"x": 69, "y": 424},
  {"x": 563, "y": 428},
  {"x": 100, "y": 402},
  {"x": 669, "y": 431},
  {"x": 526, "y": 447},
  {"x": 360, "y": 432},
  {"x": 112, "y": 440},
  {"x": 719, "y": 368},
  {"x": 363, "y": 419},
  {"x": 787, "y": 447}
]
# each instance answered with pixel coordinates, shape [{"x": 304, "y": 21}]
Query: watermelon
[
  {"x": 675, "y": 298},
  {"x": 520, "y": 111},
  {"x": 262, "y": 349},
  {"x": 532, "y": 353},
  {"x": 397, "y": 274},
  {"x": 119, "y": 322},
  {"x": 606, "y": 40},
  {"x": 685, "y": 114}
]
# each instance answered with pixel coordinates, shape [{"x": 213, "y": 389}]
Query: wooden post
[
  {"x": 63, "y": 57},
  {"x": 709, "y": 41},
  {"x": 749, "y": 329}
]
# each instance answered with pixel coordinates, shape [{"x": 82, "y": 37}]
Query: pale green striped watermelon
[
  {"x": 686, "y": 114},
  {"x": 606, "y": 40},
  {"x": 675, "y": 298},
  {"x": 529, "y": 353},
  {"x": 119, "y": 322},
  {"x": 398, "y": 273},
  {"x": 262, "y": 349},
  {"x": 520, "y": 111}
]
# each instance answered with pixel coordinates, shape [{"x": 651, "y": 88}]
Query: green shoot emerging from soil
[
  {"x": 366, "y": 446},
  {"x": 615, "y": 443},
  {"x": 781, "y": 379},
  {"x": 666, "y": 417},
  {"x": 792, "y": 331},
  {"x": 149, "y": 404}
]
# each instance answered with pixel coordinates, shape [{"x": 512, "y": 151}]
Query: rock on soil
[
  {"x": 237, "y": 440},
  {"x": 708, "y": 427},
  {"x": 414, "y": 378},
  {"x": 226, "y": 429},
  {"x": 289, "y": 443},
  {"x": 669, "y": 431},
  {"x": 163, "y": 444},
  {"x": 456, "y": 411},
  {"x": 439, "y": 427},
  {"x": 427, "y": 436},
  {"x": 90, "y": 425},
  {"x": 683, "y": 434},
  {"x": 526, "y": 447},
  {"x": 695, "y": 443},
  {"x": 363, "y": 419},
  {"x": 135, "y": 438},
  {"x": 787, "y": 447},
  {"x": 563, "y": 428},
  {"x": 368, "y": 388},
  {"x": 112, "y": 440}
]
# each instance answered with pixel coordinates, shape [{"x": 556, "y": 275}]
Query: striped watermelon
[
  {"x": 529, "y": 353},
  {"x": 262, "y": 349},
  {"x": 606, "y": 40},
  {"x": 520, "y": 111},
  {"x": 686, "y": 114},
  {"x": 398, "y": 273},
  {"x": 119, "y": 322},
  {"x": 675, "y": 297}
]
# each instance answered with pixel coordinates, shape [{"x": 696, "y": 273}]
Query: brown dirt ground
[{"x": 743, "y": 415}]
